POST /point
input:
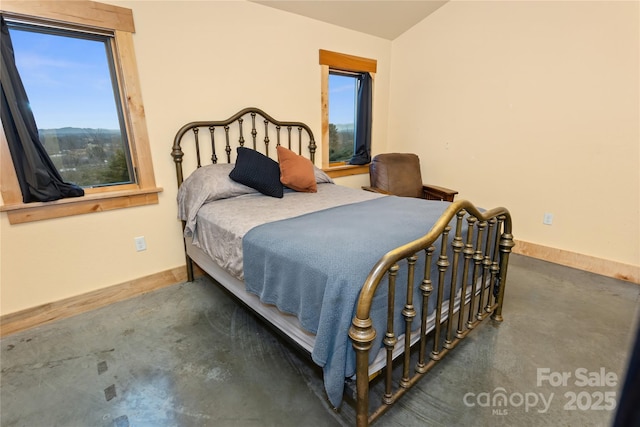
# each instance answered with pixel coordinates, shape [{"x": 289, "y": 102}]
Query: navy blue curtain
[
  {"x": 38, "y": 177},
  {"x": 362, "y": 149}
]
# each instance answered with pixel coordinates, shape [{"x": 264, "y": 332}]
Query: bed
[{"x": 371, "y": 286}]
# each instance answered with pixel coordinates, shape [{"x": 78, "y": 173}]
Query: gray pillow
[
  {"x": 321, "y": 176},
  {"x": 214, "y": 181},
  {"x": 204, "y": 185}
]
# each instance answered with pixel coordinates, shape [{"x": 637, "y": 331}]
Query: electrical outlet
[
  {"x": 141, "y": 244},
  {"x": 547, "y": 219}
]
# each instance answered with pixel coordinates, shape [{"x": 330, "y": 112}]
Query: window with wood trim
[
  {"x": 341, "y": 76},
  {"x": 69, "y": 77},
  {"x": 123, "y": 175}
]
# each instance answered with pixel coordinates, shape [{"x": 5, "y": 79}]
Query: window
[
  {"x": 346, "y": 114},
  {"x": 73, "y": 90},
  {"x": 342, "y": 116},
  {"x": 112, "y": 163}
]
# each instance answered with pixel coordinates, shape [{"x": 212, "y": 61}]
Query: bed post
[
  {"x": 362, "y": 335},
  {"x": 178, "y": 154},
  {"x": 506, "y": 243}
]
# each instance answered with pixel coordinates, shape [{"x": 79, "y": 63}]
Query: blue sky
[
  {"x": 342, "y": 99},
  {"x": 67, "y": 80}
]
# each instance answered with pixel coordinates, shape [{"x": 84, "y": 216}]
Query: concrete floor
[{"x": 189, "y": 355}]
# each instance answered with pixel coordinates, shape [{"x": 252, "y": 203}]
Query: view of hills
[
  {"x": 69, "y": 138},
  {"x": 344, "y": 127},
  {"x": 86, "y": 156}
]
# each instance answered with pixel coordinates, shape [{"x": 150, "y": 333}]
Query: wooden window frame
[
  {"x": 144, "y": 191},
  {"x": 339, "y": 61}
]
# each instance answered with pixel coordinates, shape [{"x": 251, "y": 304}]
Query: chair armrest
[
  {"x": 433, "y": 192},
  {"x": 376, "y": 190}
]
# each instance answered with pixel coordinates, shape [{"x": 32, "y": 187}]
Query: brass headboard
[{"x": 234, "y": 136}]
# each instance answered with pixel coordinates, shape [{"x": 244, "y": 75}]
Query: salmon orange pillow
[{"x": 296, "y": 172}]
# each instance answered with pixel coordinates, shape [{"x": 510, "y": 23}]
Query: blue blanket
[{"x": 314, "y": 266}]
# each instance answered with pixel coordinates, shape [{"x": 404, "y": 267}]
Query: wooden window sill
[
  {"x": 346, "y": 170},
  {"x": 19, "y": 213}
]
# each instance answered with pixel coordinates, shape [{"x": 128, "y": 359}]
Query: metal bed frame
[{"x": 478, "y": 292}]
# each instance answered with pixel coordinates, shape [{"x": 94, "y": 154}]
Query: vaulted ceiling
[{"x": 385, "y": 19}]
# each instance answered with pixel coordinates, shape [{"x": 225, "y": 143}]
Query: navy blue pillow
[{"x": 257, "y": 171}]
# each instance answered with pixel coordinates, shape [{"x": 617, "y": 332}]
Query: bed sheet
[{"x": 222, "y": 224}]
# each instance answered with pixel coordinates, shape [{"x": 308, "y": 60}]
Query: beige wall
[
  {"x": 541, "y": 95},
  {"x": 550, "y": 90},
  {"x": 197, "y": 61}
]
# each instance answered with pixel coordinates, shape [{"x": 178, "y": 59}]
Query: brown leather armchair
[{"x": 399, "y": 174}]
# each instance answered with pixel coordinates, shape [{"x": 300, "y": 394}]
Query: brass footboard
[{"x": 476, "y": 290}]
